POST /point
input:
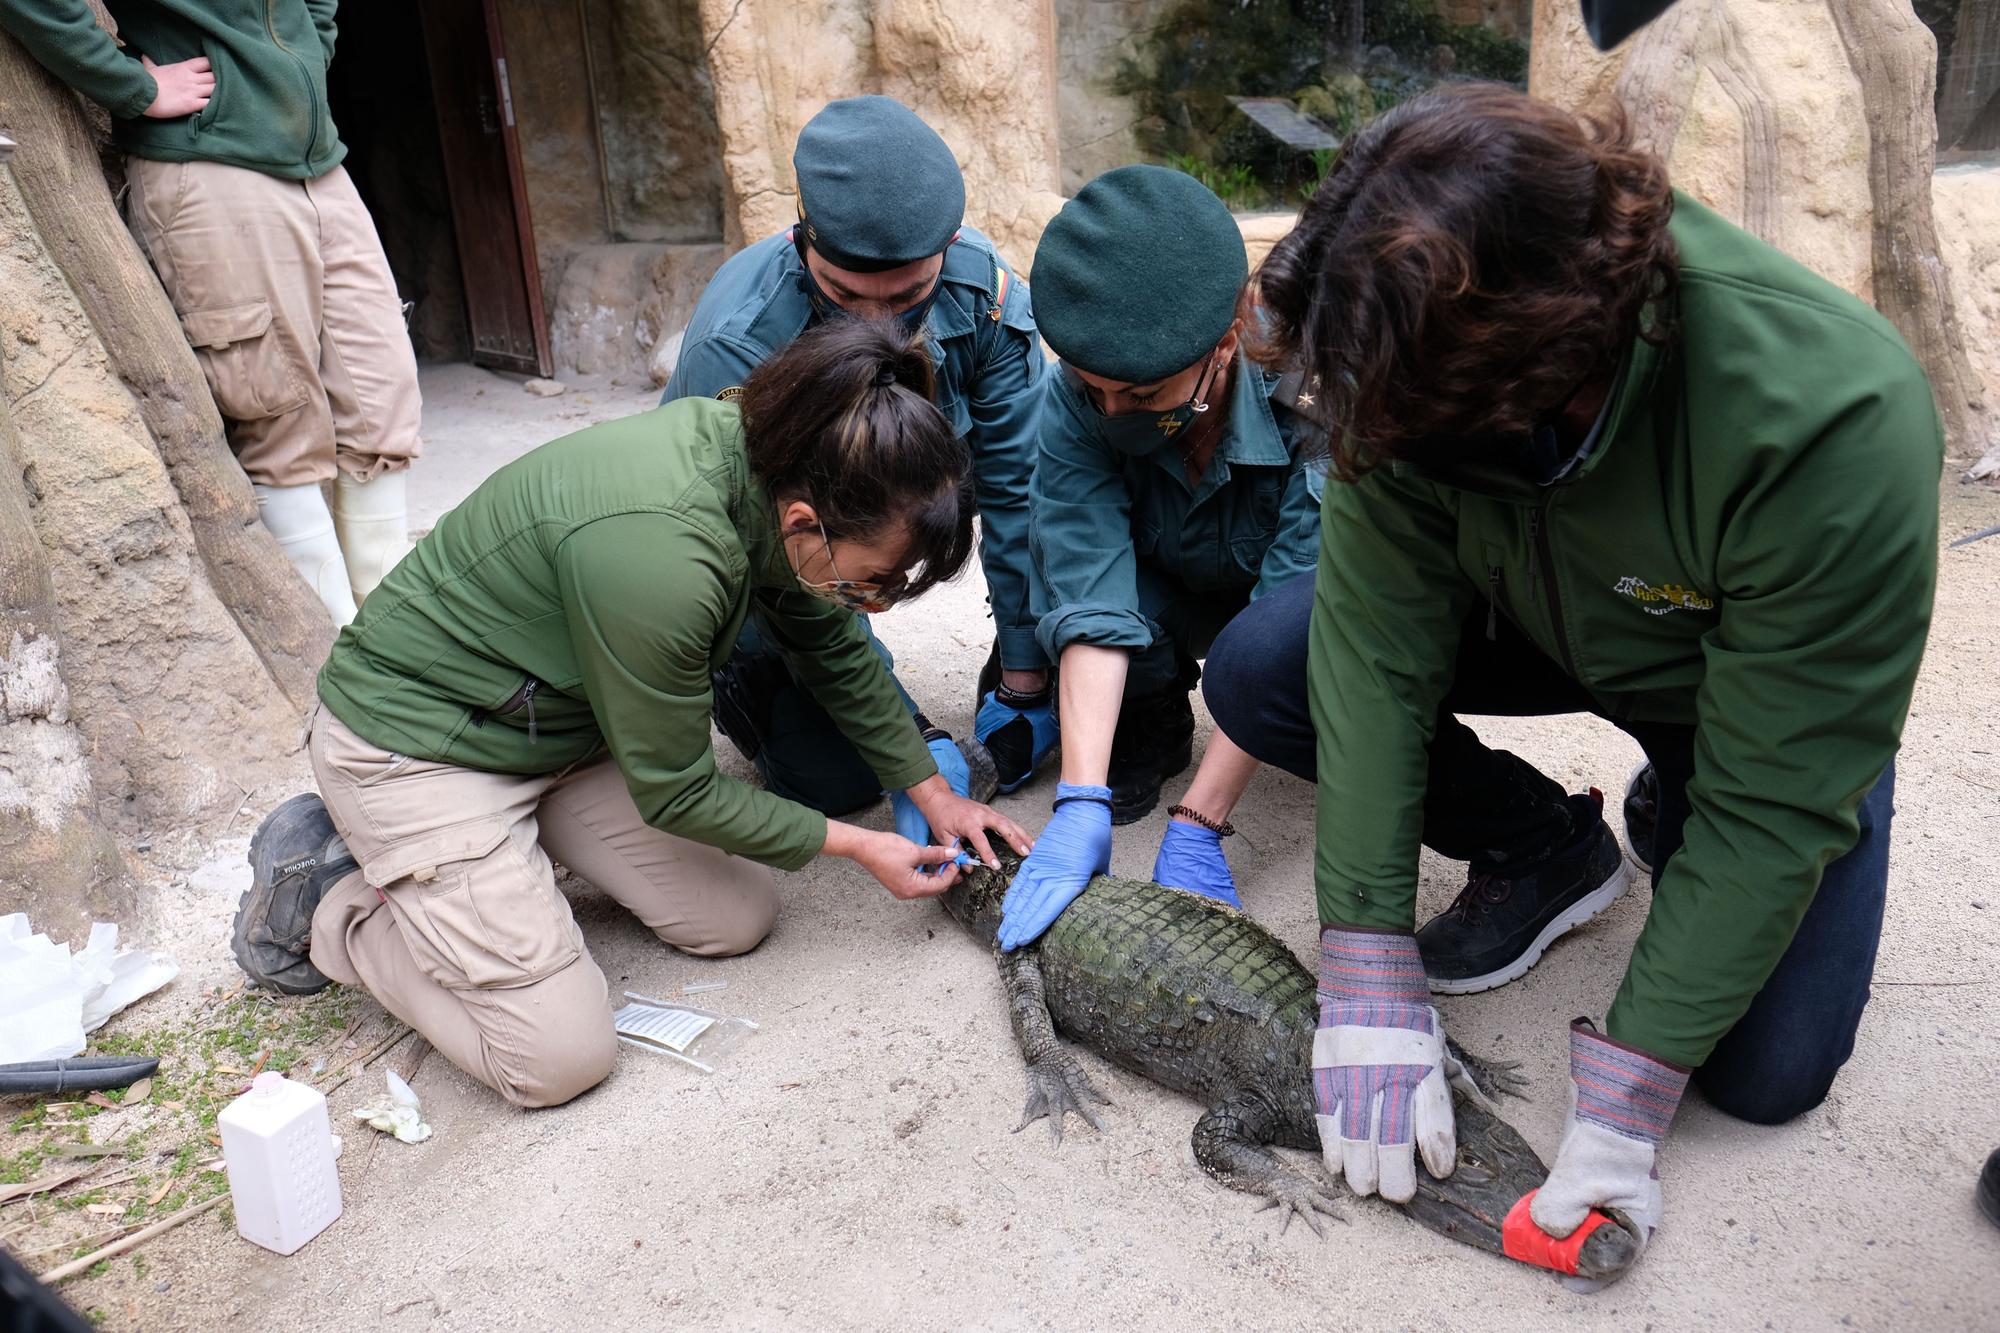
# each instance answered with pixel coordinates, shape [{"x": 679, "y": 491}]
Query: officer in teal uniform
[
  {"x": 881, "y": 235},
  {"x": 1176, "y": 483}
]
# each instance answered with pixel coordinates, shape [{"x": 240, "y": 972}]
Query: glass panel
[
  {"x": 1968, "y": 93},
  {"x": 1254, "y": 96}
]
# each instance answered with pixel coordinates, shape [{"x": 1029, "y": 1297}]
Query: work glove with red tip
[
  {"x": 1621, "y": 1103},
  {"x": 1381, "y": 1084}
]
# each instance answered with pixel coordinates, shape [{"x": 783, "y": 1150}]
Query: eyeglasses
[{"x": 854, "y": 594}]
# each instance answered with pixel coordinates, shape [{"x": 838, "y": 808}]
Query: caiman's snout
[{"x": 1496, "y": 1171}]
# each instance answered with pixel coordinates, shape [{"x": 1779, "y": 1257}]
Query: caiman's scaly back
[{"x": 1201, "y": 999}]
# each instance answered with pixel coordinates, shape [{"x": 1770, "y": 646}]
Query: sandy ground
[{"x": 853, "y": 1167}]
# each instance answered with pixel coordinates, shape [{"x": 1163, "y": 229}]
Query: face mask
[
  {"x": 1142, "y": 432},
  {"x": 824, "y": 307},
  {"x": 849, "y": 594}
]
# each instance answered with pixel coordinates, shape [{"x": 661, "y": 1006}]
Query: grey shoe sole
[{"x": 286, "y": 881}]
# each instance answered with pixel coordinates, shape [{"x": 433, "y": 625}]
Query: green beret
[
  {"x": 1137, "y": 277},
  {"x": 877, "y": 187}
]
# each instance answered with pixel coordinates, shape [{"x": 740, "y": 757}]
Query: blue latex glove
[
  {"x": 1191, "y": 858},
  {"x": 1075, "y": 845},
  {"x": 1018, "y": 730},
  {"x": 910, "y": 821}
]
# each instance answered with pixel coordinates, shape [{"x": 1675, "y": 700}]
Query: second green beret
[{"x": 1137, "y": 277}]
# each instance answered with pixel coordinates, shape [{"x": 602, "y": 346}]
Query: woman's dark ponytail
[{"x": 844, "y": 419}]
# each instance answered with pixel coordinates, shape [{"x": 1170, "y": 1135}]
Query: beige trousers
[
  {"x": 286, "y": 297},
  {"x": 454, "y": 922}
]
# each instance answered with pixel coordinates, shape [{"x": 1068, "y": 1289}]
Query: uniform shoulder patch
[{"x": 730, "y": 394}]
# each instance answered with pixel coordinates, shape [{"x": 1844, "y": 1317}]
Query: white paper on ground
[
  {"x": 50, "y": 997},
  {"x": 675, "y": 1029}
]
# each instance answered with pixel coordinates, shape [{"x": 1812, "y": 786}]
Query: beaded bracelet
[{"x": 1221, "y": 829}]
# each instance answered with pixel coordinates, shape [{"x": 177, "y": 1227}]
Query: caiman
[{"x": 1199, "y": 998}]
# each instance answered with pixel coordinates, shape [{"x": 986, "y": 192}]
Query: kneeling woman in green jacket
[{"x": 532, "y": 682}]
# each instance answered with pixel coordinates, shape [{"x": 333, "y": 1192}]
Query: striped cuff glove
[
  {"x": 1379, "y": 1081},
  {"x": 1624, "y": 1101}
]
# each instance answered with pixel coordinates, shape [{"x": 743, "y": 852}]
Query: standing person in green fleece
[
  {"x": 1604, "y": 452},
  {"x": 534, "y": 682},
  {"x": 268, "y": 254},
  {"x": 1174, "y": 486}
]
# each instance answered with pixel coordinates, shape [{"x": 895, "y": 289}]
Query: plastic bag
[
  {"x": 697, "y": 1037},
  {"x": 396, "y": 1112},
  {"x": 50, "y": 997}
]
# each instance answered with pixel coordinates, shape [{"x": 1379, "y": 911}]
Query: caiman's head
[{"x": 974, "y": 902}]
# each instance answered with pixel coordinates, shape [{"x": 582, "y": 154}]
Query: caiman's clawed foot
[
  {"x": 1299, "y": 1197},
  {"x": 1486, "y": 1077},
  {"x": 1057, "y": 1085}
]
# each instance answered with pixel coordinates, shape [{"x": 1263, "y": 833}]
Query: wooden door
[{"x": 489, "y": 201}]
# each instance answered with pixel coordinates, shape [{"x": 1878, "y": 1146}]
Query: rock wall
[
  {"x": 1967, "y": 200},
  {"x": 1095, "y": 124},
  {"x": 984, "y": 75}
]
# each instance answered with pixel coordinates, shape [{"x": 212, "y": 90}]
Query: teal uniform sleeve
[
  {"x": 322, "y": 12},
  {"x": 828, "y": 652},
  {"x": 707, "y": 367},
  {"x": 643, "y": 644},
  {"x": 1829, "y": 568},
  {"x": 1295, "y": 549},
  {"x": 1081, "y": 530},
  {"x": 1006, "y": 408},
  {"x": 66, "y": 39},
  {"x": 1388, "y": 605}
]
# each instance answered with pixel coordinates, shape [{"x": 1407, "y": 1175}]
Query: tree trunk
[
  {"x": 1893, "y": 61},
  {"x": 156, "y": 649},
  {"x": 1895, "y": 58}
]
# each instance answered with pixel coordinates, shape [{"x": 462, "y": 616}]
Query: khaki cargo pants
[
  {"x": 286, "y": 297},
  {"x": 454, "y": 922}
]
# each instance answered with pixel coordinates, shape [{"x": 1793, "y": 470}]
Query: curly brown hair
[{"x": 1471, "y": 260}]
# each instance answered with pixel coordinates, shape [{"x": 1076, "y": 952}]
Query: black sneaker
[
  {"x": 1497, "y": 928},
  {"x": 1642, "y": 814},
  {"x": 295, "y": 857},
  {"x": 1988, "y": 1192},
  {"x": 1154, "y": 741}
]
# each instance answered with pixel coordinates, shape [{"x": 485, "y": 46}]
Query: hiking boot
[
  {"x": 1642, "y": 814},
  {"x": 295, "y": 857},
  {"x": 1154, "y": 741},
  {"x": 1498, "y": 926}
]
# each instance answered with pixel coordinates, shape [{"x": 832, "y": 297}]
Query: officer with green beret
[
  {"x": 881, "y": 234},
  {"x": 1174, "y": 486}
]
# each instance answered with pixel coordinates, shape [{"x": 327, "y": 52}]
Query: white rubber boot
[
  {"x": 372, "y": 520},
  {"x": 297, "y": 517}
]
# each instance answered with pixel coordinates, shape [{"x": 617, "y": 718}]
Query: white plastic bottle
[{"x": 280, "y": 1149}]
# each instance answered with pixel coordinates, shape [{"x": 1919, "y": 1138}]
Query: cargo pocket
[
  {"x": 248, "y": 370},
  {"x": 475, "y": 912}
]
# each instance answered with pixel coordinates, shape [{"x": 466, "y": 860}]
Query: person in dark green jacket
[
  {"x": 534, "y": 682},
  {"x": 1173, "y": 488},
  {"x": 882, "y": 234},
  {"x": 1603, "y": 452},
  {"x": 236, "y": 192}
]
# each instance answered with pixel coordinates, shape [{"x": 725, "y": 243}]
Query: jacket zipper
[
  {"x": 512, "y": 704},
  {"x": 1538, "y": 533},
  {"x": 1492, "y": 602},
  {"x": 312, "y": 98}
]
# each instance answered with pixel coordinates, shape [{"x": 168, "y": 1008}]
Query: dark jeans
[
  {"x": 1495, "y": 810},
  {"x": 800, "y": 752}
]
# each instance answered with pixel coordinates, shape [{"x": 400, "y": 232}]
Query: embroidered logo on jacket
[{"x": 1667, "y": 597}]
